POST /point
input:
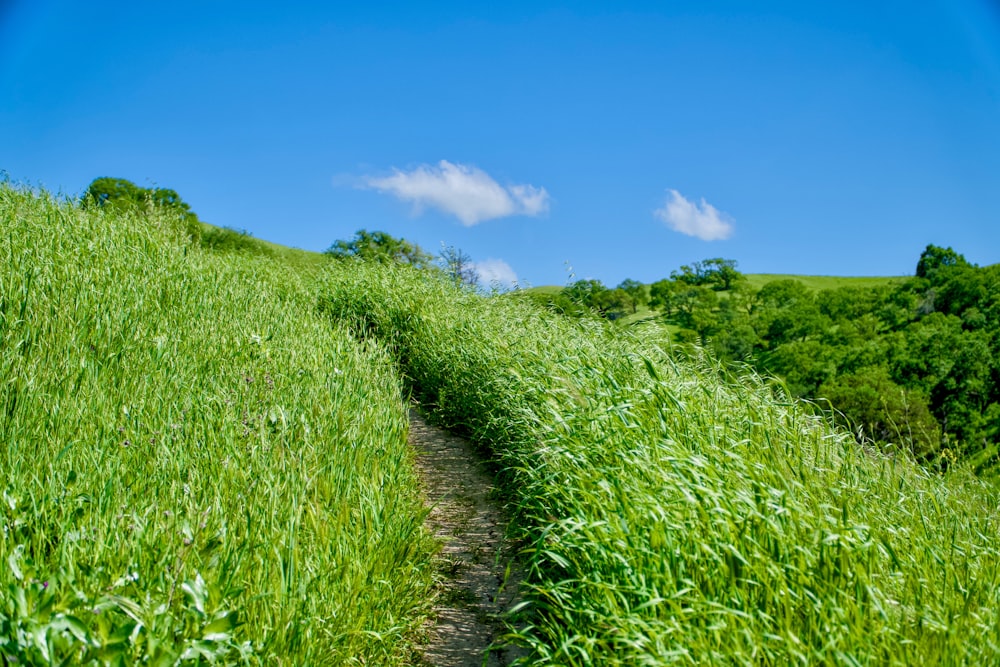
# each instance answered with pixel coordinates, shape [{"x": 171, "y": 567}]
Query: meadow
[
  {"x": 678, "y": 513},
  {"x": 203, "y": 459},
  {"x": 195, "y": 466},
  {"x": 817, "y": 283}
]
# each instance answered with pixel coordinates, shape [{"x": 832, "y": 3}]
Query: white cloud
[
  {"x": 465, "y": 191},
  {"x": 492, "y": 271},
  {"x": 701, "y": 220}
]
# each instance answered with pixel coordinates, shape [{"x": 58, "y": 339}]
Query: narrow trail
[{"x": 479, "y": 579}]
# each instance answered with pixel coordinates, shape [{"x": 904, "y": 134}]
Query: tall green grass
[
  {"x": 675, "y": 514},
  {"x": 195, "y": 466}
]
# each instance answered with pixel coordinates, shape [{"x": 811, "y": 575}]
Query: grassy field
[
  {"x": 817, "y": 283},
  {"x": 675, "y": 514},
  {"x": 195, "y": 466},
  {"x": 203, "y": 460}
]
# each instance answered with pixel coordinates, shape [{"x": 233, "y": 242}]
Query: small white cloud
[
  {"x": 495, "y": 271},
  {"x": 703, "y": 221},
  {"x": 465, "y": 191}
]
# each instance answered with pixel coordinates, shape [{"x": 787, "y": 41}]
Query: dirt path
[{"x": 476, "y": 586}]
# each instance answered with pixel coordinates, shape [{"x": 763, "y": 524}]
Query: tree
[
  {"x": 722, "y": 272},
  {"x": 786, "y": 311},
  {"x": 695, "y": 308},
  {"x": 636, "y": 291},
  {"x": 120, "y": 194},
  {"x": 960, "y": 288},
  {"x": 719, "y": 272},
  {"x": 848, "y": 303},
  {"x": 934, "y": 258},
  {"x": 689, "y": 274},
  {"x": 735, "y": 339},
  {"x": 458, "y": 265},
  {"x": 379, "y": 247},
  {"x": 613, "y": 303},
  {"x": 735, "y": 343},
  {"x": 588, "y": 294},
  {"x": 804, "y": 365},
  {"x": 114, "y": 193},
  {"x": 876, "y": 408},
  {"x": 661, "y": 295}
]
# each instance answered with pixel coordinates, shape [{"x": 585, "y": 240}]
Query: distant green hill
[
  {"x": 758, "y": 280},
  {"x": 754, "y": 281}
]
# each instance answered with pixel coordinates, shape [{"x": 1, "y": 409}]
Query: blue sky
[{"x": 624, "y": 138}]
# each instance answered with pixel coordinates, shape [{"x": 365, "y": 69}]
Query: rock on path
[{"x": 479, "y": 581}]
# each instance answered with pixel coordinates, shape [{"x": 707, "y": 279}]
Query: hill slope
[
  {"x": 193, "y": 462},
  {"x": 203, "y": 458},
  {"x": 678, "y": 514}
]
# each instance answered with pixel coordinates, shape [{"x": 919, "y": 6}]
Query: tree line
[{"x": 912, "y": 363}]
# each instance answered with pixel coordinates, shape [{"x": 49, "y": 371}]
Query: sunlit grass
[
  {"x": 817, "y": 283},
  {"x": 193, "y": 464},
  {"x": 676, "y": 513},
  {"x": 203, "y": 458}
]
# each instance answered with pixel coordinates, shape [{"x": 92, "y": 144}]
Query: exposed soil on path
[{"x": 478, "y": 577}]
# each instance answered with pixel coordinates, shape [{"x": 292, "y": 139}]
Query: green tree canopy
[
  {"x": 720, "y": 273},
  {"x": 878, "y": 409},
  {"x": 636, "y": 291},
  {"x": 587, "y": 293},
  {"x": 121, "y": 194},
  {"x": 934, "y": 258},
  {"x": 380, "y": 247},
  {"x": 786, "y": 310},
  {"x": 662, "y": 295}
]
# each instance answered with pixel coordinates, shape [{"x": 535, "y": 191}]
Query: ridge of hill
[{"x": 758, "y": 280}]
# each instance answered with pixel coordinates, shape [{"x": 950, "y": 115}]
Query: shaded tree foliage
[
  {"x": 785, "y": 311},
  {"x": 121, "y": 194},
  {"x": 588, "y": 297},
  {"x": 720, "y": 274},
  {"x": 380, "y": 247},
  {"x": 877, "y": 409},
  {"x": 914, "y": 363},
  {"x": 934, "y": 258},
  {"x": 636, "y": 292}
]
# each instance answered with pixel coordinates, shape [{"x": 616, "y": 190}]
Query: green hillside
[
  {"x": 675, "y": 513},
  {"x": 203, "y": 459},
  {"x": 194, "y": 463},
  {"x": 816, "y": 283},
  {"x": 758, "y": 280}
]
